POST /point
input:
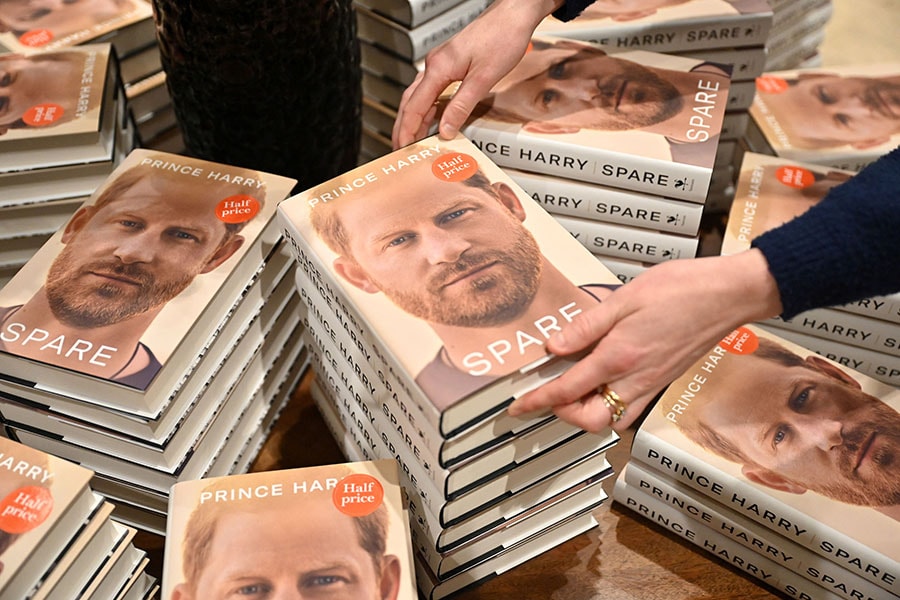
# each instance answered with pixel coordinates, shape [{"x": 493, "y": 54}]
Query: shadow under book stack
[
  {"x": 58, "y": 538},
  {"x": 156, "y": 337},
  {"x": 427, "y": 381},
  {"x": 68, "y": 143},
  {"x": 728, "y": 459}
]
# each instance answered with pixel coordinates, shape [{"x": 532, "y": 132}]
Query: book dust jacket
[
  {"x": 336, "y": 531},
  {"x": 444, "y": 266},
  {"x": 793, "y": 441},
  {"x": 113, "y": 293}
]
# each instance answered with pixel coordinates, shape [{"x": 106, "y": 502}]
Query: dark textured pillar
[{"x": 271, "y": 85}]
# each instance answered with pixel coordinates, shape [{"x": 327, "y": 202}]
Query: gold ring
[{"x": 613, "y": 403}]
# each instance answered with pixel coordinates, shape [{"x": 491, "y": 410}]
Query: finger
[
  {"x": 591, "y": 326},
  {"x": 591, "y": 414},
  {"x": 580, "y": 380},
  {"x": 415, "y": 111},
  {"x": 460, "y": 107}
]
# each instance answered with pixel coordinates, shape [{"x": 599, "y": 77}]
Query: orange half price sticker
[
  {"x": 454, "y": 166},
  {"x": 25, "y": 508},
  {"x": 771, "y": 84},
  {"x": 239, "y": 208},
  {"x": 36, "y": 38},
  {"x": 740, "y": 341},
  {"x": 41, "y": 115},
  {"x": 795, "y": 177},
  {"x": 358, "y": 495}
]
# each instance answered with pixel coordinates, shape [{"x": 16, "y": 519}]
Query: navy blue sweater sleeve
[
  {"x": 571, "y": 9},
  {"x": 843, "y": 249}
]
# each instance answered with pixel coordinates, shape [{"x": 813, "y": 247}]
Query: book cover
[
  {"x": 43, "y": 501},
  {"x": 448, "y": 272},
  {"x": 145, "y": 270},
  {"x": 338, "y": 529},
  {"x": 791, "y": 440},
  {"x": 679, "y": 499},
  {"x": 30, "y": 29},
  {"x": 667, "y": 26},
  {"x": 60, "y": 108},
  {"x": 843, "y": 116},
  {"x": 650, "y": 124}
]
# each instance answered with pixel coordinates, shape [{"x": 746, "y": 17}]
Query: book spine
[
  {"x": 719, "y": 545},
  {"x": 682, "y": 466},
  {"x": 384, "y": 64},
  {"x": 414, "y": 43},
  {"x": 381, "y": 89},
  {"x": 592, "y": 164},
  {"x": 329, "y": 294},
  {"x": 358, "y": 438},
  {"x": 886, "y": 308},
  {"x": 877, "y": 365},
  {"x": 586, "y": 201},
  {"x": 747, "y": 63},
  {"x": 356, "y": 401},
  {"x": 740, "y": 96},
  {"x": 669, "y": 36},
  {"x": 409, "y": 13},
  {"x": 629, "y": 242},
  {"x": 778, "y": 549},
  {"x": 734, "y": 124},
  {"x": 846, "y": 327},
  {"x": 624, "y": 269}
]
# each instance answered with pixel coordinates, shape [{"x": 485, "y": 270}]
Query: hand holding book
[{"x": 649, "y": 331}]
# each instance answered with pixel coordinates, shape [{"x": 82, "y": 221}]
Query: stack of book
[
  {"x": 58, "y": 540},
  {"x": 719, "y": 31},
  {"x": 781, "y": 463},
  {"x": 394, "y": 38},
  {"x": 798, "y": 29},
  {"x": 431, "y": 282},
  {"x": 338, "y": 530},
  {"x": 863, "y": 335},
  {"x": 156, "y": 335},
  {"x": 802, "y": 114},
  {"x": 58, "y": 145}
]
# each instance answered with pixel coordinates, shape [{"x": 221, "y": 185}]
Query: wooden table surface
[{"x": 625, "y": 558}]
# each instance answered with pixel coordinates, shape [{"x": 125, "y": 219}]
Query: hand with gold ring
[{"x": 647, "y": 332}]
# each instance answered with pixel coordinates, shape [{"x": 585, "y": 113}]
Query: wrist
[{"x": 755, "y": 294}]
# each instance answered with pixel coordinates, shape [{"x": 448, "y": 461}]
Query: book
[
  {"x": 877, "y": 365},
  {"x": 679, "y": 498},
  {"x": 806, "y": 455},
  {"x": 114, "y": 350},
  {"x": 634, "y": 243},
  {"x": 73, "y": 119},
  {"x": 772, "y": 190},
  {"x": 29, "y": 31},
  {"x": 678, "y": 27},
  {"x": 797, "y": 124},
  {"x": 747, "y": 63},
  {"x": 561, "y": 196},
  {"x": 717, "y": 544},
  {"x": 843, "y": 326},
  {"x": 45, "y": 501},
  {"x": 441, "y": 511},
  {"x": 413, "y": 43},
  {"x": 246, "y": 318},
  {"x": 421, "y": 351},
  {"x": 409, "y": 13},
  {"x": 666, "y": 146},
  {"x": 340, "y": 526}
]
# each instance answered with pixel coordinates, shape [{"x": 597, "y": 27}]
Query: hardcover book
[
  {"x": 454, "y": 294},
  {"x": 414, "y": 43},
  {"x": 45, "y": 501},
  {"x": 772, "y": 190},
  {"x": 761, "y": 567},
  {"x": 409, "y": 13},
  {"x": 802, "y": 114},
  {"x": 633, "y": 243},
  {"x": 653, "y": 126},
  {"x": 795, "y": 442},
  {"x": 118, "y": 306},
  {"x": 71, "y": 118},
  {"x": 338, "y": 528},
  {"x": 667, "y": 27},
  {"x": 29, "y": 29},
  {"x": 678, "y": 500}
]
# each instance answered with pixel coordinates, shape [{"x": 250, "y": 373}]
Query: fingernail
[{"x": 448, "y": 131}]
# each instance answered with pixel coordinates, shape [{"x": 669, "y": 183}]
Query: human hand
[
  {"x": 649, "y": 331},
  {"x": 478, "y": 56}
]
